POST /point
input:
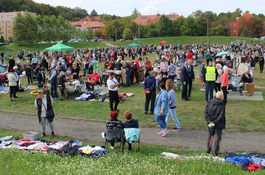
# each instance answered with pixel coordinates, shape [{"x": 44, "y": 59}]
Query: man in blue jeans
[
  {"x": 150, "y": 92},
  {"x": 53, "y": 79},
  {"x": 210, "y": 77}
]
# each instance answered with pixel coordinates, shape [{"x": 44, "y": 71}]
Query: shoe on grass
[{"x": 112, "y": 147}]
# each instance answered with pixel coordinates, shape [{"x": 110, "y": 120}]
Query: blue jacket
[
  {"x": 162, "y": 102},
  {"x": 150, "y": 83}
]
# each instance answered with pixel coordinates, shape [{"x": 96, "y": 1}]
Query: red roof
[
  {"x": 85, "y": 24},
  {"x": 146, "y": 19}
]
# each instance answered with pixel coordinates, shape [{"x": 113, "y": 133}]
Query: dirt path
[
  {"x": 110, "y": 45},
  {"x": 187, "y": 139}
]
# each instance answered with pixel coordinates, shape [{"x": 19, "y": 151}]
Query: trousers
[
  {"x": 43, "y": 122},
  {"x": 214, "y": 139}
]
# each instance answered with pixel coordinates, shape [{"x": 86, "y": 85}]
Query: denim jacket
[{"x": 162, "y": 102}]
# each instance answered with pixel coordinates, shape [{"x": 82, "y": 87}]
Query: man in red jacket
[
  {"x": 92, "y": 80},
  {"x": 148, "y": 67}
]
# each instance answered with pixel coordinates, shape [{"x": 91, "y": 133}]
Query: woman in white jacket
[{"x": 12, "y": 81}]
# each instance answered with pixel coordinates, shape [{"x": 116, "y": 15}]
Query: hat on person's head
[
  {"x": 15, "y": 67},
  {"x": 114, "y": 114},
  {"x": 112, "y": 73}
]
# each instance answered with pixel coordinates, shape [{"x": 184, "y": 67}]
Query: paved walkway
[{"x": 186, "y": 139}]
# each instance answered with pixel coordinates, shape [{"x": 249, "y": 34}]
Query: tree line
[{"x": 27, "y": 28}]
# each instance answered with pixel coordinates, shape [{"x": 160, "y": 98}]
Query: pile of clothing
[
  {"x": 64, "y": 148},
  {"x": 101, "y": 96},
  {"x": 248, "y": 161}
]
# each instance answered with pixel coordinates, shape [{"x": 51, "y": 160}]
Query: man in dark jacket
[
  {"x": 215, "y": 120},
  {"x": 54, "y": 81},
  {"x": 191, "y": 76},
  {"x": 184, "y": 78},
  {"x": 150, "y": 91}
]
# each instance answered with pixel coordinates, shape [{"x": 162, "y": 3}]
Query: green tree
[
  {"x": 47, "y": 29},
  {"x": 62, "y": 27},
  {"x": 2, "y": 39},
  {"x": 24, "y": 7},
  {"x": 19, "y": 28},
  {"x": 177, "y": 23},
  {"x": 151, "y": 30},
  {"x": 88, "y": 33},
  {"x": 189, "y": 27},
  {"x": 246, "y": 33},
  {"x": 219, "y": 30},
  {"x": 202, "y": 23},
  {"x": 256, "y": 26},
  {"x": 106, "y": 17},
  {"x": 80, "y": 13},
  {"x": 165, "y": 27},
  {"x": 94, "y": 13},
  {"x": 135, "y": 13},
  {"x": 31, "y": 26},
  {"x": 127, "y": 34},
  {"x": 39, "y": 22}
]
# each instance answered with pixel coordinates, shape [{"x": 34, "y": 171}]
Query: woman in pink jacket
[
  {"x": 224, "y": 82},
  {"x": 163, "y": 66}
]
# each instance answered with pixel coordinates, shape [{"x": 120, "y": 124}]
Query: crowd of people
[{"x": 172, "y": 60}]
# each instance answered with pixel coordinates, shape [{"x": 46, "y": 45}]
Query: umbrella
[
  {"x": 221, "y": 54},
  {"x": 163, "y": 42},
  {"x": 134, "y": 45},
  {"x": 59, "y": 47}
]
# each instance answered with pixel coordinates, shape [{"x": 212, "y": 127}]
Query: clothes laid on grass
[
  {"x": 63, "y": 148},
  {"x": 248, "y": 161},
  {"x": 101, "y": 96}
]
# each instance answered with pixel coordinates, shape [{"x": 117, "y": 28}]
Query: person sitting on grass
[
  {"x": 130, "y": 123},
  {"x": 114, "y": 123}
]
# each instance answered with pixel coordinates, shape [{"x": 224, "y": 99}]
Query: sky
[{"x": 151, "y": 7}]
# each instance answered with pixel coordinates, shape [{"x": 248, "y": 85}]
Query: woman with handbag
[{"x": 45, "y": 111}]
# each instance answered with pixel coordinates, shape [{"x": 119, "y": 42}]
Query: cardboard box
[{"x": 249, "y": 88}]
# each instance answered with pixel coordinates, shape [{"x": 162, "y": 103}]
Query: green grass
[
  {"x": 33, "y": 47},
  {"x": 147, "y": 161},
  {"x": 188, "y": 40},
  {"x": 241, "y": 115}
]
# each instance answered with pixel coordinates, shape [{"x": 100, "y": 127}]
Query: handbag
[{"x": 49, "y": 113}]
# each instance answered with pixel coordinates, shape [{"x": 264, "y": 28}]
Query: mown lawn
[
  {"x": 147, "y": 161},
  {"x": 189, "y": 40},
  {"x": 241, "y": 115},
  {"x": 42, "y": 46}
]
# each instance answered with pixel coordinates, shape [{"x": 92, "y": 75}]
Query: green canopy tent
[
  {"x": 134, "y": 45},
  {"x": 59, "y": 47}
]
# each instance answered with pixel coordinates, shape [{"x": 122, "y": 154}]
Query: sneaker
[
  {"x": 161, "y": 132},
  {"x": 202, "y": 89},
  {"x": 112, "y": 147},
  {"x": 165, "y": 132},
  {"x": 176, "y": 129}
]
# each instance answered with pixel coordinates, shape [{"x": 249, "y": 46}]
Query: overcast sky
[{"x": 151, "y": 7}]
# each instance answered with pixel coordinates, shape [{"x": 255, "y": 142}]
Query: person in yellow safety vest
[{"x": 210, "y": 77}]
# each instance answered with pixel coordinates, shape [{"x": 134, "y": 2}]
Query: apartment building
[{"x": 6, "y": 22}]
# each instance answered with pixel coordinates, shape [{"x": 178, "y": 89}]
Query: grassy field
[
  {"x": 147, "y": 161},
  {"x": 241, "y": 115},
  {"x": 189, "y": 40},
  {"x": 33, "y": 47}
]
